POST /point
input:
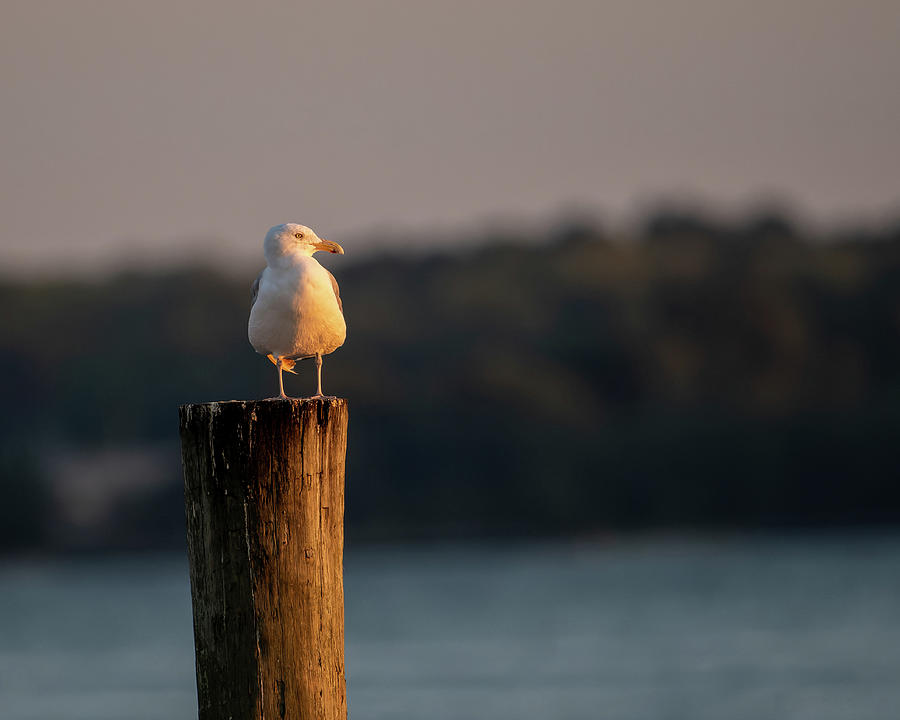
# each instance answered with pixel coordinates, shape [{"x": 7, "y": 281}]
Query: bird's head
[{"x": 293, "y": 239}]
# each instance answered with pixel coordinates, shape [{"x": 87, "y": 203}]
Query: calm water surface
[{"x": 755, "y": 628}]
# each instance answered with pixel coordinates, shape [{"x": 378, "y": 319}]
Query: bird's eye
[{"x": 299, "y": 236}]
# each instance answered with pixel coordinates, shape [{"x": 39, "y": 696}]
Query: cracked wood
[{"x": 264, "y": 500}]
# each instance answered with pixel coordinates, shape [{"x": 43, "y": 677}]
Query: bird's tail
[{"x": 286, "y": 363}]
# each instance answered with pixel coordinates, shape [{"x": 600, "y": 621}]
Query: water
[{"x": 664, "y": 629}]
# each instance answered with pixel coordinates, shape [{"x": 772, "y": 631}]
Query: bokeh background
[{"x": 623, "y": 293}]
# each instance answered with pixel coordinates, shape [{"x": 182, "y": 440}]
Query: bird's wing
[
  {"x": 254, "y": 289},
  {"x": 337, "y": 292}
]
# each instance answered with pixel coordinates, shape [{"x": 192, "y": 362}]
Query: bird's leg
[
  {"x": 318, "y": 375},
  {"x": 280, "y": 379},
  {"x": 319, "y": 394}
]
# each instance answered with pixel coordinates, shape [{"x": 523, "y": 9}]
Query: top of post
[
  {"x": 326, "y": 401},
  {"x": 318, "y": 410}
]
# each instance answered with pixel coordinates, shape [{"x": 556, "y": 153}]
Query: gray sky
[{"x": 148, "y": 131}]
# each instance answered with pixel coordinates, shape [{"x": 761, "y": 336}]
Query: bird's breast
[{"x": 296, "y": 312}]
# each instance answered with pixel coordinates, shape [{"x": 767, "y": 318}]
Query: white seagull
[{"x": 296, "y": 309}]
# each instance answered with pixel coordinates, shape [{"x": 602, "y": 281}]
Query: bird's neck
[{"x": 288, "y": 259}]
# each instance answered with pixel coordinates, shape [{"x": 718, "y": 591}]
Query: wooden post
[{"x": 264, "y": 497}]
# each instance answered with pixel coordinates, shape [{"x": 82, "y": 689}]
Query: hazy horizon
[{"x": 141, "y": 134}]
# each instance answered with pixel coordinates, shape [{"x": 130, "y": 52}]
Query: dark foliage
[{"x": 696, "y": 375}]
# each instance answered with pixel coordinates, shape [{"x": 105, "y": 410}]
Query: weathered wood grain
[{"x": 264, "y": 498}]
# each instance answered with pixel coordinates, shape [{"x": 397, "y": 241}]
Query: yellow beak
[{"x": 329, "y": 246}]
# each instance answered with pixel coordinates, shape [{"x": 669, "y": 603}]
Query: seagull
[{"x": 295, "y": 305}]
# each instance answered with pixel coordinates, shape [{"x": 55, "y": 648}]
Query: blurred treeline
[{"x": 690, "y": 375}]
